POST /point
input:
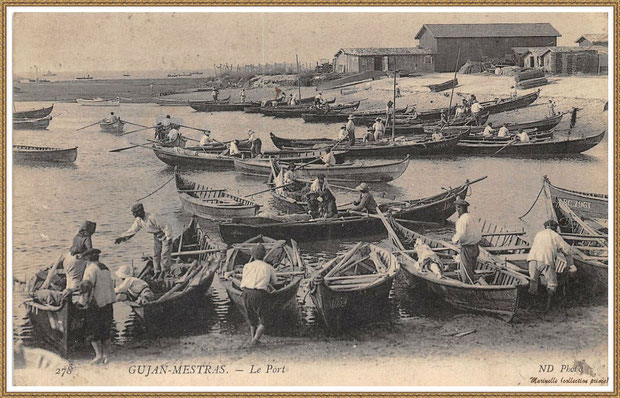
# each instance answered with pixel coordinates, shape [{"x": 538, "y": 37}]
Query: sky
[{"x": 83, "y": 42}]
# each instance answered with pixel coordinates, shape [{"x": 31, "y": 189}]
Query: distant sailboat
[
  {"x": 87, "y": 77},
  {"x": 49, "y": 73},
  {"x": 126, "y": 74}
]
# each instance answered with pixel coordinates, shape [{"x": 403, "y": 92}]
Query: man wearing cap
[
  {"x": 99, "y": 284},
  {"x": 476, "y": 108},
  {"x": 328, "y": 157},
  {"x": 162, "y": 237},
  {"x": 351, "y": 130},
  {"x": 541, "y": 259},
  {"x": 242, "y": 95},
  {"x": 258, "y": 277},
  {"x": 513, "y": 92},
  {"x": 468, "y": 235},
  {"x": 113, "y": 118},
  {"x": 318, "y": 186},
  {"x": 343, "y": 133},
  {"x": 488, "y": 130},
  {"x": 132, "y": 288},
  {"x": 379, "y": 129},
  {"x": 366, "y": 201},
  {"x": 206, "y": 138}
]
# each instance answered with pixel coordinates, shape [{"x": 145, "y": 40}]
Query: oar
[
  {"x": 129, "y": 147},
  {"x": 97, "y": 122},
  {"x": 317, "y": 159},
  {"x": 505, "y": 146},
  {"x": 135, "y": 131},
  {"x": 270, "y": 189}
]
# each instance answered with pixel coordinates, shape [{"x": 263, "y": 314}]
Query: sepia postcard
[{"x": 327, "y": 199}]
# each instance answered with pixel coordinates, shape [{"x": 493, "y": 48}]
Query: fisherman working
[
  {"x": 206, "y": 139},
  {"x": 551, "y": 108},
  {"x": 503, "y": 131},
  {"x": 258, "y": 278},
  {"x": 513, "y": 93},
  {"x": 113, "y": 118},
  {"x": 475, "y": 110},
  {"x": 351, "y": 130},
  {"x": 436, "y": 136},
  {"x": 443, "y": 119},
  {"x": 256, "y": 148},
  {"x": 162, "y": 128},
  {"x": 242, "y": 95},
  {"x": 215, "y": 93},
  {"x": 523, "y": 137},
  {"x": 379, "y": 129},
  {"x": 468, "y": 235},
  {"x": 132, "y": 288},
  {"x": 175, "y": 138},
  {"x": 542, "y": 257},
  {"x": 342, "y": 134},
  {"x": 488, "y": 130},
  {"x": 329, "y": 209},
  {"x": 318, "y": 100},
  {"x": 328, "y": 157},
  {"x": 389, "y": 112},
  {"x": 366, "y": 201},
  {"x": 368, "y": 136},
  {"x": 459, "y": 111},
  {"x": 162, "y": 237}
]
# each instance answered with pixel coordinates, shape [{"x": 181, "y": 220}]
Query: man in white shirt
[
  {"x": 523, "y": 136},
  {"x": 318, "y": 99},
  {"x": 162, "y": 237},
  {"x": 513, "y": 93},
  {"x": 436, "y": 136},
  {"x": 468, "y": 235},
  {"x": 257, "y": 279},
  {"x": 233, "y": 148},
  {"x": 173, "y": 137},
  {"x": 379, "y": 129},
  {"x": 503, "y": 131},
  {"x": 206, "y": 138},
  {"x": 475, "y": 111},
  {"x": 113, "y": 118},
  {"x": 328, "y": 157},
  {"x": 551, "y": 108},
  {"x": 342, "y": 134},
  {"x": 541, "y": 259},
  {"x": 242, "y": 95},
  {"x": 389, "y": 112},
  {"x": 351, "y": 130},
  {"x": 459, "y": 112},
  {"x": 488, "y": 130}
]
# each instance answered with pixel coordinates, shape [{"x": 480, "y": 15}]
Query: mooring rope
[
  {"x": 172, "y": 178},
  {"x": 533, "y": 204}
]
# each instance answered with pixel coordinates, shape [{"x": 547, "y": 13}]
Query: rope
[
  {"x": 533, "y": 204},
  {"x": 172, "y": 178}
]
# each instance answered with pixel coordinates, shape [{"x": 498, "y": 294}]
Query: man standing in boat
[
  {"x": 257, "y": 279},
  {"x": 256, "y": 147},
  {"x": 242, "y": 95},
  {"x": 379, "y": 129},
  {"x": 542, "y": 259},
  {"x": 162, "y": 237},
  {"x": 468, "y": 235},
  {"x": 475, "y": 110},
  {"x": 215, "y": 93},
  {"x": 351, "y": 130},
  {"x": 389, "y": 112}
]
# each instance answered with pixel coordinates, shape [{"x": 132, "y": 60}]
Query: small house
[
  {"x": 569, "y": 60},
  {"x": 598, "y": 42},
  {"x": 358, "y": 60}
]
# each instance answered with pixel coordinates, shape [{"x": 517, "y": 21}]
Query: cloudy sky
[{"x": 75, "y": 42}]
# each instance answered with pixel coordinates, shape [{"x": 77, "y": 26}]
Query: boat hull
[
  {"x": 341, "y": 310},
  {"x": 23, "y": 153},
  {"x": 205, "y": 107},
  {"x": 112, "y": 128},
  {"x": 86, "y": 102},
  {"x": 33, "y": 114},
  {"x": 437, "y": 88},
  {"x": 32, "y": 124},
  {"x": 189, "y": 159}
]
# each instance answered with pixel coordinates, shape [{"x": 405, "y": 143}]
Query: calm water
[{"x": 50, "y": 202}]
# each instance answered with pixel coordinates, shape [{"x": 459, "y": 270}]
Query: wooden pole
[
  {"x": 456, "y": 68},
  {"x": 298, "y": 78},
  {"x": 394, "y": 103}
]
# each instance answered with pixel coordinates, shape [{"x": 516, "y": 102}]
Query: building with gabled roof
[
  {"x": 592, "y": 39},
  {"x": 481, "y": 42},
  {"x": 357, "y": 60}
]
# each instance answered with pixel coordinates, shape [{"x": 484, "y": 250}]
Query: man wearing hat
[
  {"x": 206, "y": 138},
  {"x": 328, "y": 157},
  {"x": 379, "y": 129},
  {"x": 468, "y": 235},
  {"x": 162, "y": 237},
  {"x": 366, "y": 201},
  {"x": 343, "y": 133},
  {"x": 488, "y": 130},
  {"x": 98, "y": 283},
  {"x": 257, "y": 280},
  {"x": 256, "y": 148},
  {"x": 542, "y": 259},
  {"x": 351, "y": 130},
  {"x": 389, "y": 112}
]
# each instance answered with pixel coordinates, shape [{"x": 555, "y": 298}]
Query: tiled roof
[
  {"x": 374, "y": 51},
  {"x": 490, "y": 30},
  {"x": 594, "y": 38},
  {"x": 568, "y": 49},
  {"x": 533, "y": 50}
]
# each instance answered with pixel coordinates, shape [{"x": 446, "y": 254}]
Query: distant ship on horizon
[
  {"x": 87, "y": 77},
  {"x": 49, "y": 73},
  {"x": 126, "y": 74}
]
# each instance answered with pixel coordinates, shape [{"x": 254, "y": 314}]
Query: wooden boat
[
  {"x": 34, "y": 113},
  {"x": 540, "y": 125},
  {"x": 413, "y": 147},
  {"x": 26, "y": 153},
  {"x": 99, "y": 101},
  {"x": 87, "y": 77},
  {"x": 415, "y": 126},
  {"x": 342, "y": 117},
  {"x": 170, "y": 101},
  {"x": 585, "y": 204},
  {"x": 534, "y": 135},
  {"x": 281, "y": 112},
  {"x": 196, "y": 105},
  {"x": 192, "y": 158},
  {"x": 545, "y": 146},
  {"x": 299, "y": 227},
  {"x": 217, "y": 107},
  {"x": 198, "y": 257},
  {"x": 259, "y": 166},
  {"x": 112, "y": 127},
  {"x": 32, "y": 124},
  {"x": 437, "y": 88},
  {"x": 509, "y": 104},
  {"x": 289, "y": 268},
  {"x": 353, "y": 288},
  {"x": 346, "y": 172},
  {"x": 212, "y": 204},
  {"x": 497, "y": 295}
]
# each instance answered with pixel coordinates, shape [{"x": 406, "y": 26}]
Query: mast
[
  {"x": 298, "y": 78},
  {"x": 456, "y": 67},
  {"x": 394, "y": 103}
]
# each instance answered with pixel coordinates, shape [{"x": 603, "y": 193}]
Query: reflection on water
[{"x": 50, "y": 202}]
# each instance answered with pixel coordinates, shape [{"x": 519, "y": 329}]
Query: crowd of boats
[{"x": 351, "y": 288}]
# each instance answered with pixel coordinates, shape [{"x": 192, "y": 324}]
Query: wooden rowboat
[
  {"x": 34, "y": 113},
  {"x": 193, "y": 158},
  {"x": 413, "y": 147},
  {"x": 99, "y": 101},
  {"x": 112, "y": 127},
  {"x": 217, "y": 107},
  {"x": 280, "y": 112},
  {"x": 585, "y": 204},
  {"x": 26, "y": 153},
  {"x": 198, "y": 257},
  {"x": 437, "y": 88},
  {"x": 544, "y": 124},
  {"x": 546, "y": 146},
  {"x": 384, "y": 171},
  {"x": 212, "y": 204},
  {"x": 32, "y": 124},
  {"x": 353, "y": 288},
  {"x": 289, "y": 268},
  {"x": 497, "y": 293}
]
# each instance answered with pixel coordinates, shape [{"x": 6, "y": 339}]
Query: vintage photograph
[{"x": 272, "y": 199}]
